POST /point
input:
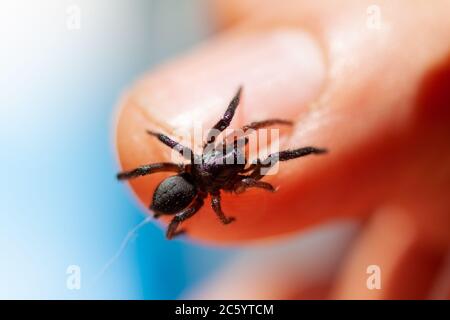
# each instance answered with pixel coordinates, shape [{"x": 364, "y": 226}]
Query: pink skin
[{"x": 376, "y": 98}]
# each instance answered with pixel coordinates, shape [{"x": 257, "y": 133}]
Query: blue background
[{"x": 60, "y": 203}]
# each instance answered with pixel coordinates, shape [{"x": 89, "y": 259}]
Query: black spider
[{"x": 216, "y": 169}]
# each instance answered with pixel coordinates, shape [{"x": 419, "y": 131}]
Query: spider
[{"x": 183, "y": 194}]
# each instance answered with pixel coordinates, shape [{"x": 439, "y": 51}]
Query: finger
[
  {"x": 232, "y": 12},
  {"x": 323, "y": 79},
  {"x": 390, "y": 260},
  {"x": 166, "y": 101},
  {"x": 300, "y": 269},
  {"x": 441, "y": 286}
]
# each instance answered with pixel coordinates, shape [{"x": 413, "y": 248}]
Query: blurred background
[
  {"x": 60, "y": 80},
  {"x": 63, "y": 68}
]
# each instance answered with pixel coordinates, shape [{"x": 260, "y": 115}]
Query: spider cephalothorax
[{"x": 183, "y": 194}]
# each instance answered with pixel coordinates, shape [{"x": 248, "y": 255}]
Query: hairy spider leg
[
  {"x": 285, "y": 155},
  {"x": 262, "y": 124},
  {"x": 256, "y": 126},
  {"x": 186, "y": 152},
  {"x": 225, "y": 121},
  {"x": 181, "y": 216},
  {"x": 265, "y": 123},
  {"x": 247, "y": 182},
  {"x": 149, "y": 169},
  {"x": 215, "y": 204}
]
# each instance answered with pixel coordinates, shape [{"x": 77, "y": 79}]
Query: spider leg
[
  {"x": 258, "y": 125},
  {"x": 186, "y": 152},
  {"x": 215, "y": 204},
  {"x": 247, "y": 182},
  {"x": 265, "y": 123},
  {"x": 225, "y": 121},
  {"x": 181, "y": 216},
  {"x": 285, "y": 155},
  {"x": 250, "y": 168},
  {"x": 149, "y": 169}
]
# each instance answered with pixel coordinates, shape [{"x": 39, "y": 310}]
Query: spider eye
[{"x": 174, "y": 194}]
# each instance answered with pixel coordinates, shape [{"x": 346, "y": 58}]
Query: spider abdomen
[{"x": 173, "y": 194}]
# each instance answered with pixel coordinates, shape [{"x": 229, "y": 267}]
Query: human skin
[{"x": 377, "y": 98}]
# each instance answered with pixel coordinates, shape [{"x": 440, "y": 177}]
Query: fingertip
[{"x": 196, "y": 89}]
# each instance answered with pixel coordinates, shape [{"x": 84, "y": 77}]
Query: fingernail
[{"x": 281, "y": 72}]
